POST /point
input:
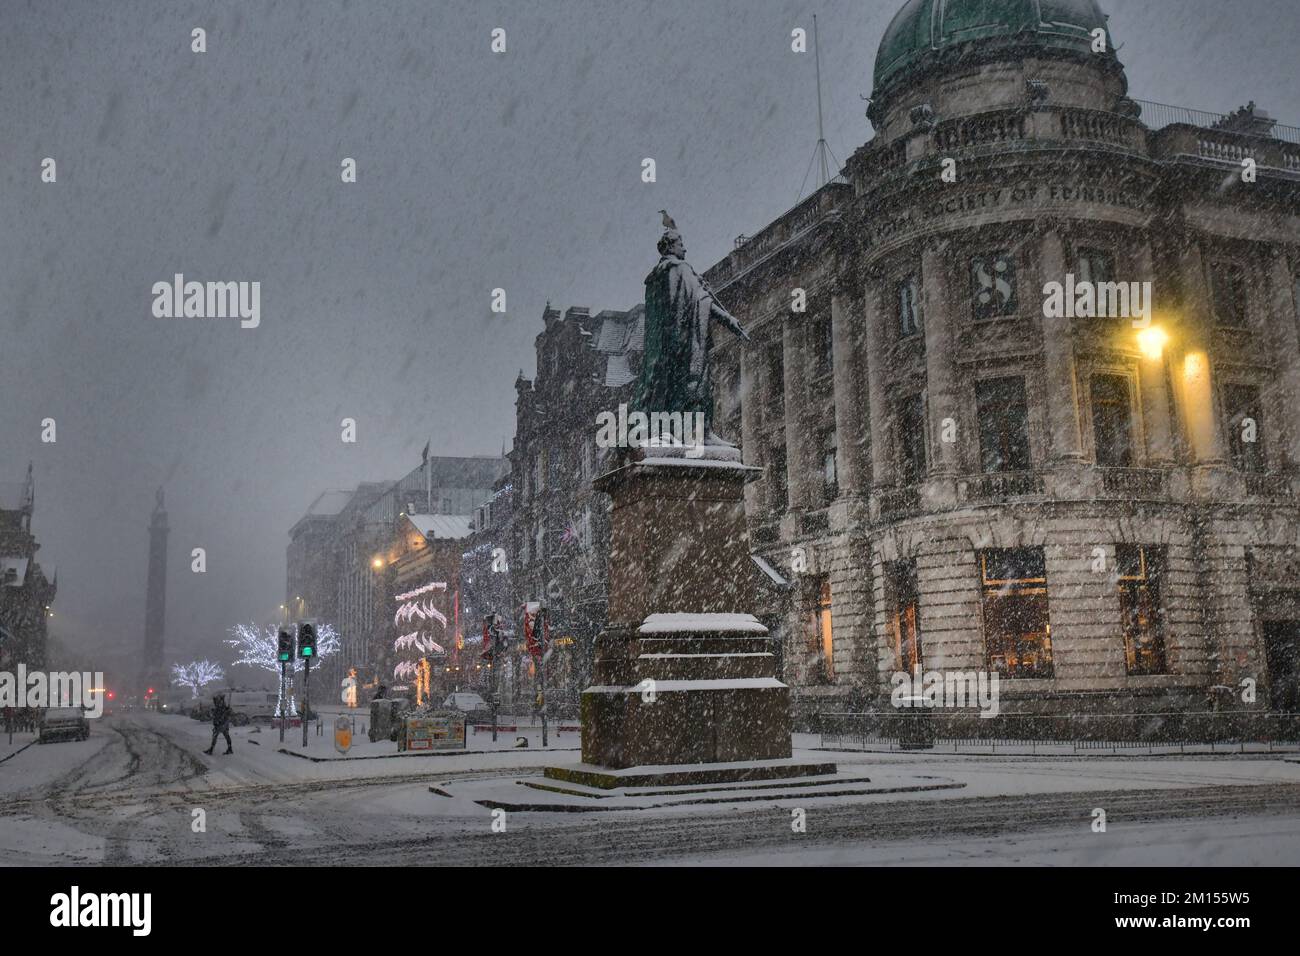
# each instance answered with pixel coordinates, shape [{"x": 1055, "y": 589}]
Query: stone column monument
[{"x": 155, "y": 610}]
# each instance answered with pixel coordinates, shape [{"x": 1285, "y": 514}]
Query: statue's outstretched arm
[{"x": 726, "y": 318}]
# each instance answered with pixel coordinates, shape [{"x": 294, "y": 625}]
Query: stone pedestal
[{"x": 683, "y": 673}]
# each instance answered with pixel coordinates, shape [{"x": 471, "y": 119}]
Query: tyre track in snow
[
  {"x": 636, "y": 837},
  {"x": 137, "y": 759},
  {"x": 155, "y": 783}
]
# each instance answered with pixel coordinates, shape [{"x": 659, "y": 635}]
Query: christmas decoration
[
  {"x": 416, "y": 615},
  {"x": 196, "y": 674},
  {"x": 258, "y": 646}
]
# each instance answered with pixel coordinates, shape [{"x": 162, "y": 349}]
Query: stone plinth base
[
  {"x": 683, "y": 674},
  {"x": 603, "y": 778},
  {"x": 686, "y": 721}
]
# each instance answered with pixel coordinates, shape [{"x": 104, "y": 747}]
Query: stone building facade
[
  {"x": 341, "y": 553},
  {"x": 586, "y": 364},
  {"x": 485, "y": 587},
  {"x": 958, "y": 478},
  {"x": 25, "y": 593}
]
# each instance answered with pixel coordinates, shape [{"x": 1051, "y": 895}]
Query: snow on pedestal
[{"x": 684, "y": 674}]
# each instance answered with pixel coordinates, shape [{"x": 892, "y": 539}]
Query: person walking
[{"x": 220, "y": 723}]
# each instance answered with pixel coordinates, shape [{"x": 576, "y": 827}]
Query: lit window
[
  {"x": 1017, "y": 631},
  {"x": 904, "y": 615},
  {"x": 824, "y": 629},
  {"x": 1140, "y": 571}
]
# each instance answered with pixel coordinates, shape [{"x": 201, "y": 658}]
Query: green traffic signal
[
  {"x": 306, "y": 640},
  {"x": 286, "y": 646}
]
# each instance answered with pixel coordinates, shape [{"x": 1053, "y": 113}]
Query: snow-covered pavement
[{"x": 141, "y": 791}]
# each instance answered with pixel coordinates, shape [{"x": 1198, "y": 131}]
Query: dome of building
[{"x": 929, "y": 33}]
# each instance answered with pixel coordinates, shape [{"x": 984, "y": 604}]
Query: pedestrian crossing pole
[
  {"x": 546, "y": 652},
  {"x": 306, "y": 701},
  {"x": 492, "y": 631},
  {"x": 283, "y": 665}
]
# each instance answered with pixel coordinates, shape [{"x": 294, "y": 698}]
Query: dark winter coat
[{"x": 221, "y": 716}]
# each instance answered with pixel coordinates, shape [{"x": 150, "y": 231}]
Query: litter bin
[
  {"x": 385, "y": 714},
  {"x": 917, "y": 730}
]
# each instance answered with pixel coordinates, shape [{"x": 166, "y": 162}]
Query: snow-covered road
[{"x": 136, "y": 792}]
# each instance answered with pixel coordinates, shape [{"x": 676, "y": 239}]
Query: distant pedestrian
[{"x": 220, "y": 723}]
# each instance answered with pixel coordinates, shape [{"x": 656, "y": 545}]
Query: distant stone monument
[
  {"x": 684, "y": 674},
  {"x": 155, "y": 609}
]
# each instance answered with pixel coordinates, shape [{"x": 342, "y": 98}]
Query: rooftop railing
[{"x": 1159, "y": 115}]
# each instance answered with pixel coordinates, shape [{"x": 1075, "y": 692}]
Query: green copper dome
[{"x": 929, "y": 32}]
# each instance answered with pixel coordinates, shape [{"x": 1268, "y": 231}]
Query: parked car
[
  {"x": 63, "y": 723},
  {"x": 176, "y": 705},
  {"x": 470, "y": 704},
  {"x": 247, "y": 706}
]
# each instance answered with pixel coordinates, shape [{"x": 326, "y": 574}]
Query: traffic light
[
  {"x": 306, "y": 640},
  {"x": 286, "y": 646}
]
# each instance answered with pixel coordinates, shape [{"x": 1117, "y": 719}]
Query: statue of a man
[{"x": 679, "y": 314}]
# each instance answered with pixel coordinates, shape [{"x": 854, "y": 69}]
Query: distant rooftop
[
  {"x": 330, "y": 503},
  {"x": 442, "y": 527}
]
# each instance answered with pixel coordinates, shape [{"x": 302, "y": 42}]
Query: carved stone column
[
  {"x": 875, "y": 343},
  {"x": 750, "y": 396},
  {"x": 798, "y": 475},
  {"x": 1065, "y": 441},
  {"x": 849, "y": 428},
  {"x": 1152, "y": 387},
  {"x": 1284, "y": 391},
  {"x": 940, "y": 375},
  {"x": 1195, "y": 375}
]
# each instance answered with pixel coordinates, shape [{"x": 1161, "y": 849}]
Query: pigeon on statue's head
[{"x": 667, "y": 220}]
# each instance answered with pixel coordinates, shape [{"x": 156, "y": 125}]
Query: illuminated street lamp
[{"x": 1151, "y": 341}]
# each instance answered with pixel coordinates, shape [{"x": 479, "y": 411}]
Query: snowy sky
[{"x": 475, "y": 171}]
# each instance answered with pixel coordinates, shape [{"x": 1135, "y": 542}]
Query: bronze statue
[{"x": 680, "y": 310}]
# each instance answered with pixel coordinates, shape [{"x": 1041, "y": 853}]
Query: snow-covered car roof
[{"x": 63, "y": 713}]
